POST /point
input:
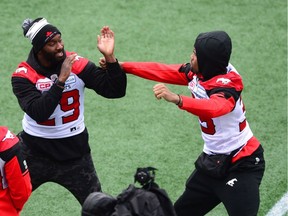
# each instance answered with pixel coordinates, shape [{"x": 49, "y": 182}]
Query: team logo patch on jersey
[
  {"x": 8, "y": 135},
  {"x": 78, "y": 57},
  {"x": 44, "y": 84},
  {"x": 225, "y": 81},
  {"x": 21, "y": 69}
]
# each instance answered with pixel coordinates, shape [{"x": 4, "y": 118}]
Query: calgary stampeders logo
[
  {"x": 224, "y": 81},
  {"x": 44, "y": 84}
]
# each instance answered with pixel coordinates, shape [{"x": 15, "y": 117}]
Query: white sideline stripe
[{"x": 280, "y": 208}]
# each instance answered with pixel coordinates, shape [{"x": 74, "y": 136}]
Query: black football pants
[
  {"x": 78, "y": 176},
  {"x": 239, "y": 192}
]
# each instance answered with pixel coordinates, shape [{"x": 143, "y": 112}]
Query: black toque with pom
[{"x": 39, "y": 31}]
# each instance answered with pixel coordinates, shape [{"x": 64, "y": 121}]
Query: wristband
[
  {"x": 180, "y": 100},
  {"x": 60, "y": 84}
]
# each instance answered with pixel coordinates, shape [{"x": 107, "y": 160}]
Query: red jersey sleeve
[
  {"x": 15, "y": 169},
  {"x": 79, "y": 64},
  {"x": 213, "y": 107},
  {"x": 166, "y": 73},
  {"x": 19, "y": 183}
]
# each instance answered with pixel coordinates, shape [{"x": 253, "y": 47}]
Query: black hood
[{"x": 213, "y": 50}]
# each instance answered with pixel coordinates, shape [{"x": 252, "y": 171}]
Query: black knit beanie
[
  {"x": 39, "y": 31},
  {"x": 213, "y": 50}
]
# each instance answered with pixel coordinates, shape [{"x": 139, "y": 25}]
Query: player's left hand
[{"x": 105, "y": 43}]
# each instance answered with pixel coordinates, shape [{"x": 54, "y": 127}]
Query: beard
[{"x": 53, "y": 58}]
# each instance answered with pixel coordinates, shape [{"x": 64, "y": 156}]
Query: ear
[
  {"x": 39, "y": 54},
  {"x": 42, "y": 59}
]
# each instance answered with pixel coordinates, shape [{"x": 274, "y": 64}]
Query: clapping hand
[{"x": 105, "y": 44}]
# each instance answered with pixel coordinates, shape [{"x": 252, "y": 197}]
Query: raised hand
[
  {"x": 66, "y": 67},
  {"x": 105, "y": 43}
]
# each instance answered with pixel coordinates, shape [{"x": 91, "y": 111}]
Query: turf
[{"x": 138, "y": 130}]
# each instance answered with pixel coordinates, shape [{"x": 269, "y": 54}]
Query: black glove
[{"x": 185, "y": 68}]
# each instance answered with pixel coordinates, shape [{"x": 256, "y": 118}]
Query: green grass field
[{"x": 138, "y": 130}]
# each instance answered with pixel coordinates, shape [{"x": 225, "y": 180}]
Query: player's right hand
[{"x": 66, "y": 67}]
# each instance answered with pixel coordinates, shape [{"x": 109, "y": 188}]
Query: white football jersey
[
  {"x": 68, "y": 117},
  {"x": 225, "y": 133}
]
